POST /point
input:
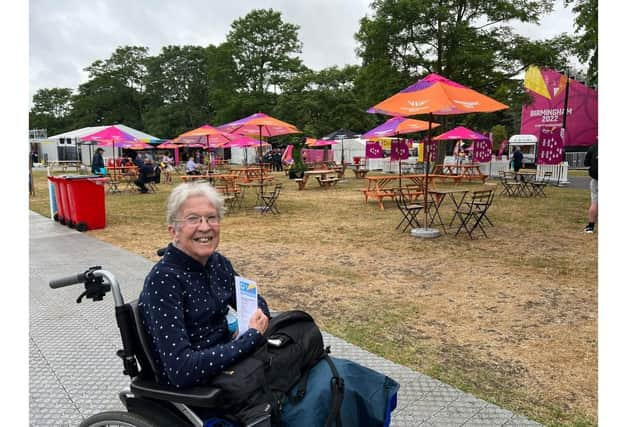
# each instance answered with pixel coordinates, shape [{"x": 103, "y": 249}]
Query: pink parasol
[
  {"x": 461, "y": 132},
  {"x": 259, "y": 124},
  {"x": 110, "y": 136},
  {"x": 312, "y": 142}
]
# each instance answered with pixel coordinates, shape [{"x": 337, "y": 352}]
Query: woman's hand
[{"x": 259, "y": 321}]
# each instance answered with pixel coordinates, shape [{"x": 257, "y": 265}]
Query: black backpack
[{"x": 259, "y": 384}]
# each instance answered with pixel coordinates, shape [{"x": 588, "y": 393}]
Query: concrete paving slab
[{"x": 74, "y": 371}]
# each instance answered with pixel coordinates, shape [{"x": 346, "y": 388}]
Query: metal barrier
[{"x": 575, "y": 159}]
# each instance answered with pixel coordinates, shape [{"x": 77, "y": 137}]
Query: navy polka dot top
[{"x": 183, "y": 306}]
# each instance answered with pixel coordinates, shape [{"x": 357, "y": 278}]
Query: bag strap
[{"x": 337, "y": 391}]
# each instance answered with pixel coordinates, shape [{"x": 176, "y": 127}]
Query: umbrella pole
[
  {"x": 426, "y": 175},
  {"x": 260, "y": 164},
  {"x": 399, "y": 161}
]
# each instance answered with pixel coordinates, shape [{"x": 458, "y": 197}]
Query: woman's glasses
[{"x": 193, "y": 220}]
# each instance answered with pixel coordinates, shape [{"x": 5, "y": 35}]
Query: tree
[
  {"x": 177, "y": 90},
  {"x": 263, "y": 47},
  {"x": 114, "y": 91},
  {"x": 321, "y": 102},
  {"x": 586, "y": 46},
  {"x": 51, "y": 110},
  {"x": 467, "y": 41}
]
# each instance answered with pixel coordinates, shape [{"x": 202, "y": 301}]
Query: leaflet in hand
[{"x": 246, "y": 301}]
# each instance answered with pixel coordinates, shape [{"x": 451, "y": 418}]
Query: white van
[{"x": 528, "y": 145}]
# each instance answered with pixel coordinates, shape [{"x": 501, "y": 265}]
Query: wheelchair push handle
[
  {"x": 67, "y": 281},
  {"x": 94, "y": 282}
]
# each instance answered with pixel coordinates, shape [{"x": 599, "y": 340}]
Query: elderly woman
[{"x": 185, "y": 298}]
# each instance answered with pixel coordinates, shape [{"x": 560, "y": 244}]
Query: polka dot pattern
[{"x": 183, "y": 306}]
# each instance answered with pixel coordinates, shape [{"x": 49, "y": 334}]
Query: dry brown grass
[{"x": 511, "y": 319}]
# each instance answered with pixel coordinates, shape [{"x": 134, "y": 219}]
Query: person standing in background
[
  {"x": 517, "y": 163},
  {"x": 591, "y": 160},
  {"x": 97, "y": 164}
]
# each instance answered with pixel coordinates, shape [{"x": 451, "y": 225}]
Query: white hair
[{"x": 182, "y": 192}]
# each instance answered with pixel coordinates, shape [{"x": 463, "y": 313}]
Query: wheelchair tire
[{"x": 116, "y": 419}]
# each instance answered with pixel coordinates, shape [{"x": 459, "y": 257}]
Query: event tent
[{"x": 68, "y": 145}]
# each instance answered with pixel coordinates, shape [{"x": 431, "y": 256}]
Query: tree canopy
[{"x": 258, "y": 68}]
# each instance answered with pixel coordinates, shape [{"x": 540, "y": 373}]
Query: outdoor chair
[
  {"x": 409, "y": 210},
  {"x": 473, "y": 213},
  {"x": 537, "y": 187},
  {"x": 150, "y": 181},
  {"x": 510, "y": 187},
  {"x": 269, "y": 199},
  {"x": 231, "y": 197},
  {"x": 486, "y": 216}
]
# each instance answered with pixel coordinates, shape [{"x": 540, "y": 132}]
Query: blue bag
[{"x": 369, "y": 397}]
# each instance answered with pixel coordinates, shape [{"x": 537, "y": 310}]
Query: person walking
[{"x": 591, "y": 160}]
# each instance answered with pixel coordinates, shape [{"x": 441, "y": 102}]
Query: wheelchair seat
[{"x": 145, "y": 383}]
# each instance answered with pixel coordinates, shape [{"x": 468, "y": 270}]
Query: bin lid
[{"x": 82, "y": 176}]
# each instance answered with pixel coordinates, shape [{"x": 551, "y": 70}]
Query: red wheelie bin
[
  {"x": 86, "y": 196},
  {"x": 62, "y": 200}
]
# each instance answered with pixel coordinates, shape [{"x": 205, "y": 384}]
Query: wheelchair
[{"x": 147, "y": 403}]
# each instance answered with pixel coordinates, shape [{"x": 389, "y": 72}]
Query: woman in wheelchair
[
  {"x": 176, "y": 341},
  {"x": 185, "y": 298}
]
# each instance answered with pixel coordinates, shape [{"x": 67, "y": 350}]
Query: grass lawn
[{"x": 511, "y": 319}]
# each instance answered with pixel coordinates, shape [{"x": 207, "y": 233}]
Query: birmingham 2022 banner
[{"x": 582, "y": 111}]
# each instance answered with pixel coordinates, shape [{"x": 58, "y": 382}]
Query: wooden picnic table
[
  {"x": 125, "y": 175},
  {"x": 458, "y": 172},
  {"x": 324, "y": 180},
  {"x": 65, "y": 164},
  {"x": 382, "y": 186},
  {"x": 250, "y": 173}
]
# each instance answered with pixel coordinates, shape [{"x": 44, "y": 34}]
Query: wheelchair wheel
[{"x": 116, "y": 419}]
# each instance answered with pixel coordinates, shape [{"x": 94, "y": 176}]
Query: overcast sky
[{"x": 66, "y": 36}]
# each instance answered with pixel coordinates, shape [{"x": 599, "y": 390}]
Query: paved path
[{"x": 74, "y": 371}]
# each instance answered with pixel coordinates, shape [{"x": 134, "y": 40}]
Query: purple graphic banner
[
  {"x": 582, "y": 111},
  {"x": 399, "y": 150},
  {"x": 373, "y": 150},
  {"x": 482, "y": 151},
  {"x": 432, "y": 149},
  {"x": 550, "y": 146}
]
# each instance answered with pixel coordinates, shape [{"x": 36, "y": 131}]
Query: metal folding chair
[
  {"x": 474, "y": 212},
  {"x": 510, "y": 187},
  {"x": 270, "y": 198},
  {"x": 537, "y": 187},
  {"x": 409, "y": 210}
]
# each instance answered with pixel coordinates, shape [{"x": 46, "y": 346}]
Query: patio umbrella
[
  {"x": 461, "y": 133},
  {"x": 110, "y": 136},
  {"x": 399, "y": 125},
  {"x": 341, "y": 134},
  {"x": 206, "y": 136},
  {"x": 138, "y": 145},
  {"x": 259, "y": 124},
  {"x": 431, "y": 95},
  {"x": 312, "y": 142},
  {"x": 168, "y": 144}
]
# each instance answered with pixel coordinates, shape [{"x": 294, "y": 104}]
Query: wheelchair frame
[{"x": 152, "y": 404}]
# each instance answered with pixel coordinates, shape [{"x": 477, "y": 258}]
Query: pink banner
[
  {"x": 432, "y": 149},
  {"x": 315, "y": 155},
  {"x": 550, "y": 146},
  {"x": 373, "y": 150},
  {"x": 482, "y": 151},
  {"x": 503, "y": 145},
  {"x": 582, "y": 111},
  {"x": 399, "y": 150}
]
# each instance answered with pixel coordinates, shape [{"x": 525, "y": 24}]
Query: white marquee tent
[{"x": 67, "y": 144}]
